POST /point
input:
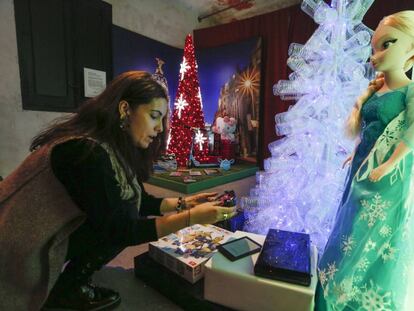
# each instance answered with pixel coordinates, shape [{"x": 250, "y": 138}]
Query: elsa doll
[{"x": 368, "y": 262}]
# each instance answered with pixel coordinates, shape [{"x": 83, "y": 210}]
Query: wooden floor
[{"x": 119, "y": 273}]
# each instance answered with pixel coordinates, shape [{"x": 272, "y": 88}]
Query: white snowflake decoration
[
  {"x": 385, "y": 231},
  {"x": 374, "y": 209},
  {"x": 331, "y": 270},
  {"x": 322, "y": 277},
  {"x": 387, "y": 252},
  {"x": 363, "y": 264},
  {"x": 347, "y": 244},
  {"x": 345, "y": 291},
  {"x": 180, "y": 104},
  {"x": 373, "y": 299},
  {"x": 183, "y": 68},
  {"x": 200, "y": 139},
  {"x": 341, "y": 293},
  {"x": 357, "y": 279},
  {"x": 389, "y": 137},
  {"x": 370, "y": 246}
]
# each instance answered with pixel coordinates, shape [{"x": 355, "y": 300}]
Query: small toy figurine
[
  {"x": 226, "y": 164},
  {"x": 226, "y": 127},
  {"x": 228, "y": 198}
]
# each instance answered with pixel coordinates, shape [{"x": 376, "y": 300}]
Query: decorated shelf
[{"x": 187, "y": 181}]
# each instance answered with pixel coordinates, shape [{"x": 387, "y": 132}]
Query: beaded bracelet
[{"x": 180, "y": 205}]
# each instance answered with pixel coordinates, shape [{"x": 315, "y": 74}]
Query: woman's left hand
[
  {"x": 378, "y": 173},
  {"x": 199, "y": 198}
]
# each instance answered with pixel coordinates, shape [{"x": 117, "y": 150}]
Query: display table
[
  {"x": 233, "y": 284},
  {"x": 237, "y": 171},
  {"x": 186, "y": 295}
]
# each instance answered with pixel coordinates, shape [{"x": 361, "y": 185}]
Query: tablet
[{"x": 239, "y": 248}]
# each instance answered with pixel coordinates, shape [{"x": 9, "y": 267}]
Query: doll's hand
[
  {"x": 199, "y": 198},
  {"x": 348, "y": 160},
  {"x": 377, "y": 83},
  {"x": 378, "y": 173}
]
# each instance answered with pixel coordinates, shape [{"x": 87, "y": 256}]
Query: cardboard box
[
  {"x": 233, "y": 284},
  {"x": 187, "y": 251}
]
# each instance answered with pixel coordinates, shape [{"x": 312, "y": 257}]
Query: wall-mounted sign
[{"x": 95, "y": 81}]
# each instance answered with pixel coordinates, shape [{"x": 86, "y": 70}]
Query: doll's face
[{"x": 391, "y": 49}]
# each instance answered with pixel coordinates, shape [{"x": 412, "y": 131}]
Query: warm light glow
[{"x": 249, "y": 82}]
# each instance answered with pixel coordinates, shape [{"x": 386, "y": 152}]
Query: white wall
[
  {"x": 161, "y": 20},
  {"x": 156, "y": 19}
]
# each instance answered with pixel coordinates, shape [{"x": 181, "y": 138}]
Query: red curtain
[{"x": 278, "y": 29}]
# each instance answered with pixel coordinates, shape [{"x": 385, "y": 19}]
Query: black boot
[
  {"x": 74, "y": 291},
  {"x": 87, "y": 297}
]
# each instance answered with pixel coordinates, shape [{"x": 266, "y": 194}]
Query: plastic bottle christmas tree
[
  {"x": 301, "y": 187},
  {"x": 187, "y": 121}
]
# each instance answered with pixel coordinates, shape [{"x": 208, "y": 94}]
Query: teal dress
[{"x": 368, "y": 262}]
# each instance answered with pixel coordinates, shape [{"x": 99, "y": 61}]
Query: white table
[{"x": 233, "y": 284}]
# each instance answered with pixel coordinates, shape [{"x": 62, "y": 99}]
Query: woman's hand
[
  {"x": 199, "y": 198},
  {"x": 348, "y": 160},
  {"x": 378, "y": 173},
  {"x": 210, "y": 213}
]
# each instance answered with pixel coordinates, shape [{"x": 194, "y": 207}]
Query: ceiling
[{"x": 240, "y": 9}]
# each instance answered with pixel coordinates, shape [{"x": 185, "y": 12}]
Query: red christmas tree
[{"x": 187, "y": 122}]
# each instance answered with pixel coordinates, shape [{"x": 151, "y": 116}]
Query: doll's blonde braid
[{"x": 353, "y": 123}]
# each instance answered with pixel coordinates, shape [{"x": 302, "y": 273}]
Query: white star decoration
[
  {"x": 180, "y": 104},
  {"x": 200, "y": 139},
  {"x": 183, "y": 68}
]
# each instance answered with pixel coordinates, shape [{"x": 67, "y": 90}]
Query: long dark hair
[{"x": 99, "y": 118}]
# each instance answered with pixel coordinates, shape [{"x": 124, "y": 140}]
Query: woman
[
  {"x": 368, "y": 260},
  {"x": 79, "y": 199}
]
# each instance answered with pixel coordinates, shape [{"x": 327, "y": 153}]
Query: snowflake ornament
[
  {"x": 183, "y": 68},
  {"x": 180, "y": 104},
  {"x": 200, "y": 139}
]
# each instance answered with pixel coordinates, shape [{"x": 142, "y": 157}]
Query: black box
[{"x": 285, "y": 256}]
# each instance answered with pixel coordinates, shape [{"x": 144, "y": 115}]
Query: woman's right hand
[
  {"x": 210, "y": 213},
  {"x": 348, "y": 160}
]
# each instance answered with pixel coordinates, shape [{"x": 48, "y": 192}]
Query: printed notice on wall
[{"x": 95, "y": 81}]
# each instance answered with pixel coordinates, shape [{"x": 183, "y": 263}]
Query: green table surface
[{"x": 237, "y": 171}]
